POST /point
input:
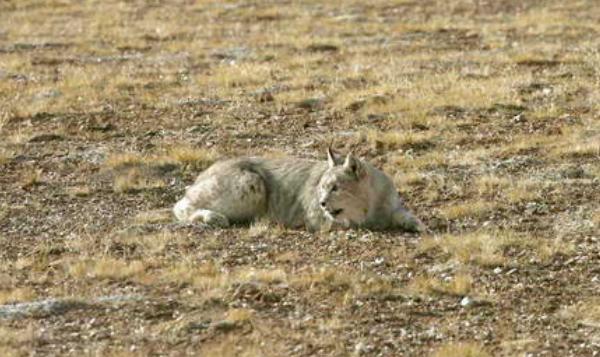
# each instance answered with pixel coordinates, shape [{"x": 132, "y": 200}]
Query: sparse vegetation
[
  {"x": 461, "y": 350},
  {"x": 485, "y": 113}
]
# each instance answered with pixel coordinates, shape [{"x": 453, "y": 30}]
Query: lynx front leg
[{"x": 405, "y": 220}]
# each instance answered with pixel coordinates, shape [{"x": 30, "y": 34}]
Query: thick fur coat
[{"x": 296, "y": 193}]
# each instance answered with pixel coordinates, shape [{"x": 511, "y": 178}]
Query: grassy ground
[{"x": 485, "y": 113}]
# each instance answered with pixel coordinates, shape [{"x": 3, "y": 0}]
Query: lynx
[{"x": 296, "y": 193}]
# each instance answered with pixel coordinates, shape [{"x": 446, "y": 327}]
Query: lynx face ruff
[{"x": 296, "y": 193}]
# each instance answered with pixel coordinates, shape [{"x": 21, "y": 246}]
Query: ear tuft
[
  {"x": 332, "y": 160},
  {"x": 353, "y": 165}
]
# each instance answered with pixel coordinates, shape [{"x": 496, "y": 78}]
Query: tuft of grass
[
  {"x": 79, "y": 191},
  {"x": 234, "y": 346},
  {"x": 105, "y": 268},
  {"x": 239, "y": 315},
  {"x": 487, "y": 248},
  {"x": 121, "y": 160},
  {"x": 5, "y": 156},
  {"x": 328, "y": 277},
  {"x": 153, "y": 217},
  {"x": 476, "y": 248},
  {"x": 30, "y": 178},
  {"x": 579, "y": 150},
  {"x": 204, "y": 277},
  {"x": 474, "y": 209},
  {"x": 193, "y": 159},
  {"x": 267, "y": 276},
  {"x": 398, "y": 139},
  {"x": 149, "y": 244},
  {"x": 461, "y": 349},
  {"x": 135, "y": 180},
  {"x": 489, "y": 186},
  {"x": 459, "y": 285},
  {"x": 12, "y": 338},
  {"x": 16, "y": 295},
  {"x": 584, "y": 312}
]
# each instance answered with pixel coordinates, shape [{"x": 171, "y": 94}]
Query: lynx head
[{"x": 343, "y": 192}]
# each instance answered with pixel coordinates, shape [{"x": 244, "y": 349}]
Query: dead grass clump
[
  {"x": 266, "y": 276},
  {"x": 475, "y": 248},
  {"x": 580, "y": 150},
  {"x": 226, "y": 77},
  {"x": 330, "y": 278},
  {"x": 487, "y": 248},
  {"x": 398, "y": 139},
  {"x": 5, "y": 156},
  {"x": 135, "y": 180},
  {"x": 30, "y": 178},
  {"x": 461, "y": 349},
  {"x": 514, "y": 190},
  {"x": 149, "y": 244},
  {"x": 105, "y": 268},
  {"x": 79, "y": 191},
  {"x": 153, "y": 217},
  {"x": 234, "y": 346},
  {"x": 16, "y": 295},
  {"x": 459, "y": 285},
  {"x": 585, "y": 312},
  {"x": 239, "y": 315},
  {"x": 204, "y": 276},
  {"x": 474, "y": 209},
  {"x": 490, "y": 186},
  {"x": 193, "y": 159},
  {"x": 11, "y": 339},
  {"x": 523, "y": 191},
  {"x": 121, "y": 160}
]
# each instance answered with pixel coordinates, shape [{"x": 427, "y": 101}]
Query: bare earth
[{"x": 485, "y": 113}]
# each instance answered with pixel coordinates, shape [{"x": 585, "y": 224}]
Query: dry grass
[
  {"x": 105, "y": 269},
  {"x": 478, "y": 209},
  {"x": 239, "y": 315},
  {"x": 12, "y": 340},
  {"x": 585, "y": 312},
  {"x": 484, "y": 113},
  {"x": 135, "y": 180},
  {"x": 397, "y": 140},
  {"x": 461, "y": 349},
  {"x": 31, "y": 178},
  {"x": 459, "y": 285},
  {"x": 16, "y": 295},
  {"x": 488, "y": 248},
  {"x": 153, "y": 217},
  {"x": 192, "y": 159}
]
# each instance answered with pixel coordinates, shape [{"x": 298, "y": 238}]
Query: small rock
[{"x": 466, "y": 301}]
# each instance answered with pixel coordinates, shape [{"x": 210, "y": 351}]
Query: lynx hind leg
[
  {"x": 210, "y": 218},
  {"x": 222, "y": 197}
]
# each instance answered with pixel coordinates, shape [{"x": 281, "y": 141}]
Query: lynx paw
[{"x": 210, "y": 218}]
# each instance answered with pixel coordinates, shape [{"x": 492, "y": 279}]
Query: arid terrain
[{"x": 485, "y": 113}]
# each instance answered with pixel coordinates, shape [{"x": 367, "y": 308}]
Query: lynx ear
[
  {"x": 332, "y": 159},
  {"x": 353, "y": 165}
]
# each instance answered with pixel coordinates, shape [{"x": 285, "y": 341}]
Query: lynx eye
[{"x": 334, "y": 188}]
